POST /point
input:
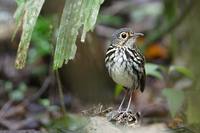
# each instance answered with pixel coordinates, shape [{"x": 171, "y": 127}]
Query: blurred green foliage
[
  {"x": 182, "y": 70},
  {"x": 153, "y": 70},
  {"x": 118, "y": 90},
  {"x": 15, "y": 94},
  {"x": 42, "y": 35},
  {"x": 68, "y": 124},
  {"x": 174, "y": 98},
  {"x": 45, "y": 102},
  {"x": 170, "y": 10},
  {"x": 41, "y": 39},
  {"x": 110, "y": 20}
]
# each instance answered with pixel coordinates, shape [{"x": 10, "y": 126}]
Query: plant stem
[{"x": 60, "y": 90}]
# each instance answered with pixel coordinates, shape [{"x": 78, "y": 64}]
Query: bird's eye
[{"x": 123, "y": 35}]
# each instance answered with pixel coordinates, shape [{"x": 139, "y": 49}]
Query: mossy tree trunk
[{"x": 193, "y": 37}]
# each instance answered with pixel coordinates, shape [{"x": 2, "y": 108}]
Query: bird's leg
[
  {"x": 124, "y": 114},
  {"x": 129, "y": 102},
  {"x": 122, "y": 102}
]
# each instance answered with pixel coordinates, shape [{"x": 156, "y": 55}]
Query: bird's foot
[{"x": 127, "y": 117}]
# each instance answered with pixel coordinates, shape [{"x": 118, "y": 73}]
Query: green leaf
[
  {"x": 18, "y": 15},
  {"x": 68, "y": 31},
  {"x": 89, "y": 17},
  {"x": 152, "y": 70},
  {"x": 75, "y": 14},
  {"x": 118, "y": 90},
  {"x": 174, "y": 98},
  {"x": 182, "y": 70},
  {"x": 32, "y": 10}
]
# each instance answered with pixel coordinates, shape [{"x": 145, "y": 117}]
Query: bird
[{"x": 125, "y": 63}]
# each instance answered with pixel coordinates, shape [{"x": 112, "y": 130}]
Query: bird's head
[{"x": 124, "y": 37}]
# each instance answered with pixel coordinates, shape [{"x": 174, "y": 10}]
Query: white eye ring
[{"x": 124, "y": 35}]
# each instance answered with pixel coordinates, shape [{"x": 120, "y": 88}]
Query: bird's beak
[{"x": 136, "y": 34}]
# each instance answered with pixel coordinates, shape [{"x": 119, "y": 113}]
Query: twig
[
  {"x": 61, "y": 95},
  {"x": 5, "y": 107},
  {"x": 40, "y": 91}
]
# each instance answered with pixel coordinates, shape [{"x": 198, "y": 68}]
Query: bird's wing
[
  {"x": 142, "y": 73},
  {"x": 142, "y": 80}
]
